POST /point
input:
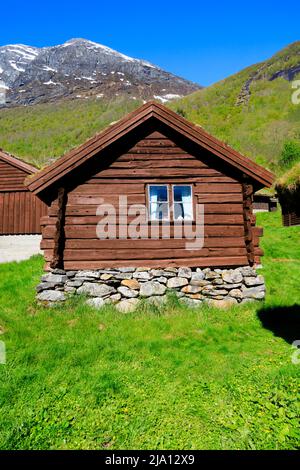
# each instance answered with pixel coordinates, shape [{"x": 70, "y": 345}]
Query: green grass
[
  {"x": 41, "y": 133},
  {"x": 173, "y": 378},
  {"x": 261, "y": 127}
]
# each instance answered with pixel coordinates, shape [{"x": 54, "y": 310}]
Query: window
[
  {"x": 182, "y": 203},
  {"x": 175, "y": 199},
  {"x": 159, "y": 202}
]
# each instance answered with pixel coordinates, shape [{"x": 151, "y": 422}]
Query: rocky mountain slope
[
  {"x": 253, "y": 110},
  {"x": 78, "y": 69}
]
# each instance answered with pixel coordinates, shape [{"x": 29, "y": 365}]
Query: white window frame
[
  {"x": 165, "y": 202},
  {"x": 173, "y": 202}
]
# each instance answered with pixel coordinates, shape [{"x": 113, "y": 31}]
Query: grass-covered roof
[{"x": 291, "y": 179}]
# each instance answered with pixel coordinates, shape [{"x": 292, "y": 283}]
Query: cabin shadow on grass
[{"x": 284, "y": 322}]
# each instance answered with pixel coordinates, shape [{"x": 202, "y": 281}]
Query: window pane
[
  {"x": 159, "y": 210},
  {"x": 158, "y": 193},
  {"x": 182, "y": 193},
  {"x": 183, "y": 211},
  {"x": 159, "y": 205},
  {"x": 183, "y": 207}
]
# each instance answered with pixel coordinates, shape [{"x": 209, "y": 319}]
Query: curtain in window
[
  {"x": 159, "y": 206},
  {"x": 183, "y": 209},
  {"x": 153, "y": 205}
]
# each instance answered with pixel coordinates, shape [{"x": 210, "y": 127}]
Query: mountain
[
  {"x": 79, "y": 69},
  {"x": 253, "y": 110}
]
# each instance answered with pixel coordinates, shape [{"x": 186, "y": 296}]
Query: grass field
[{"x": 174, "y": 378}]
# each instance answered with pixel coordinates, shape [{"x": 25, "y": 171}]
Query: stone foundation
[{"x": 125, "y": 287}]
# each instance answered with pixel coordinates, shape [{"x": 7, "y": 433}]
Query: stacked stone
[{"x": 125, "y": 287}]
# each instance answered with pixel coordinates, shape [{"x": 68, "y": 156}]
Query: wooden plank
[
  {"x": 152, "y": 150},
  {"x": 258, "y": 251},
  {"x": 22, "y": 213},
  {"x": 204, "y": 193},
  {"x": 13, "y": 189},
  {"x": 217, "y": 188},
  {"x": 231, "y": 261},
  {"x": 33, "y": 212},
  {"x": 143, "y": 244},
  {"x": 258, "y": 231},
  {"x": 155, "y": 172},
  {"x": 150, "y": 254},
  {"x": 11, "y": 206},
  {"x": 209, "y": 219},
  {"x": 220, "y": 198},
  {"x": 17, "y": 214},
  {"x": 136, "y": 157},
  {"x": 27, "y": 213},
  {"x": 247, "y": 190},
  {"x": 90, "y": 210},
  {"x": 6, "y": 213},
  {"x": 148, "y": 142},
  {"x": 12, "y": 176},
  {"x": 85, "y": 202},
  {"x": 149, "y": 180},
  {"x": 82, "y": 231},
  {"x": 172, "y": 163},
  {"x": 1, "y": 212},
  {"x": 114, "y": 188}
]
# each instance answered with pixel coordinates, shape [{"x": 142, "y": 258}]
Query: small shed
[
  {"x": 288, "y": 190},
  {"x": 263, "y": 201},
  {"x": 156, "y": 159},
  {"x": 20, "y": 210}
]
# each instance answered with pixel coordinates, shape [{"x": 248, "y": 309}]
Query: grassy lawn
[{"x": 173, "y": 378}]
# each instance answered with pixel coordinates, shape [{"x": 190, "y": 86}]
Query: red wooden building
[
  {"x": 20, "y": 210},
  {"x": 158, "y": 159}
]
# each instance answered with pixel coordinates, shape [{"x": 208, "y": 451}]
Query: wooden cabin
[
  {"x": 158, "y": 159},
  {"x": 288, "y": 191},
  {"x": 290, "y": 216},
  {"x": 20, "y": 210},
  {"x": 264, "y": 202}
]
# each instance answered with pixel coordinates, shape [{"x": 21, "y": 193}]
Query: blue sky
[{"x": 201, "y": 41}]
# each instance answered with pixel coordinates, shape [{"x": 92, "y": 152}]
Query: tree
[{"x": 290, "y": 153}]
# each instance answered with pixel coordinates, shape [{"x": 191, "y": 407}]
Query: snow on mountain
[{"x": 82, "y": 68}]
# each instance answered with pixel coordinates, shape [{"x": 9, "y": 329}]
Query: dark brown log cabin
[
  {"x": 20, "y": 210},
  {"x": 148, "y": 156}
]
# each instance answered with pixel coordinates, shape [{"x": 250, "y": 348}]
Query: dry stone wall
[{"x": 125, "y": 287}]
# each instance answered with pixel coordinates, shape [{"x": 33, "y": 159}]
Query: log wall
[
  {"x": 20, "y": 210},
  {"x": 154, "y": 159}
]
